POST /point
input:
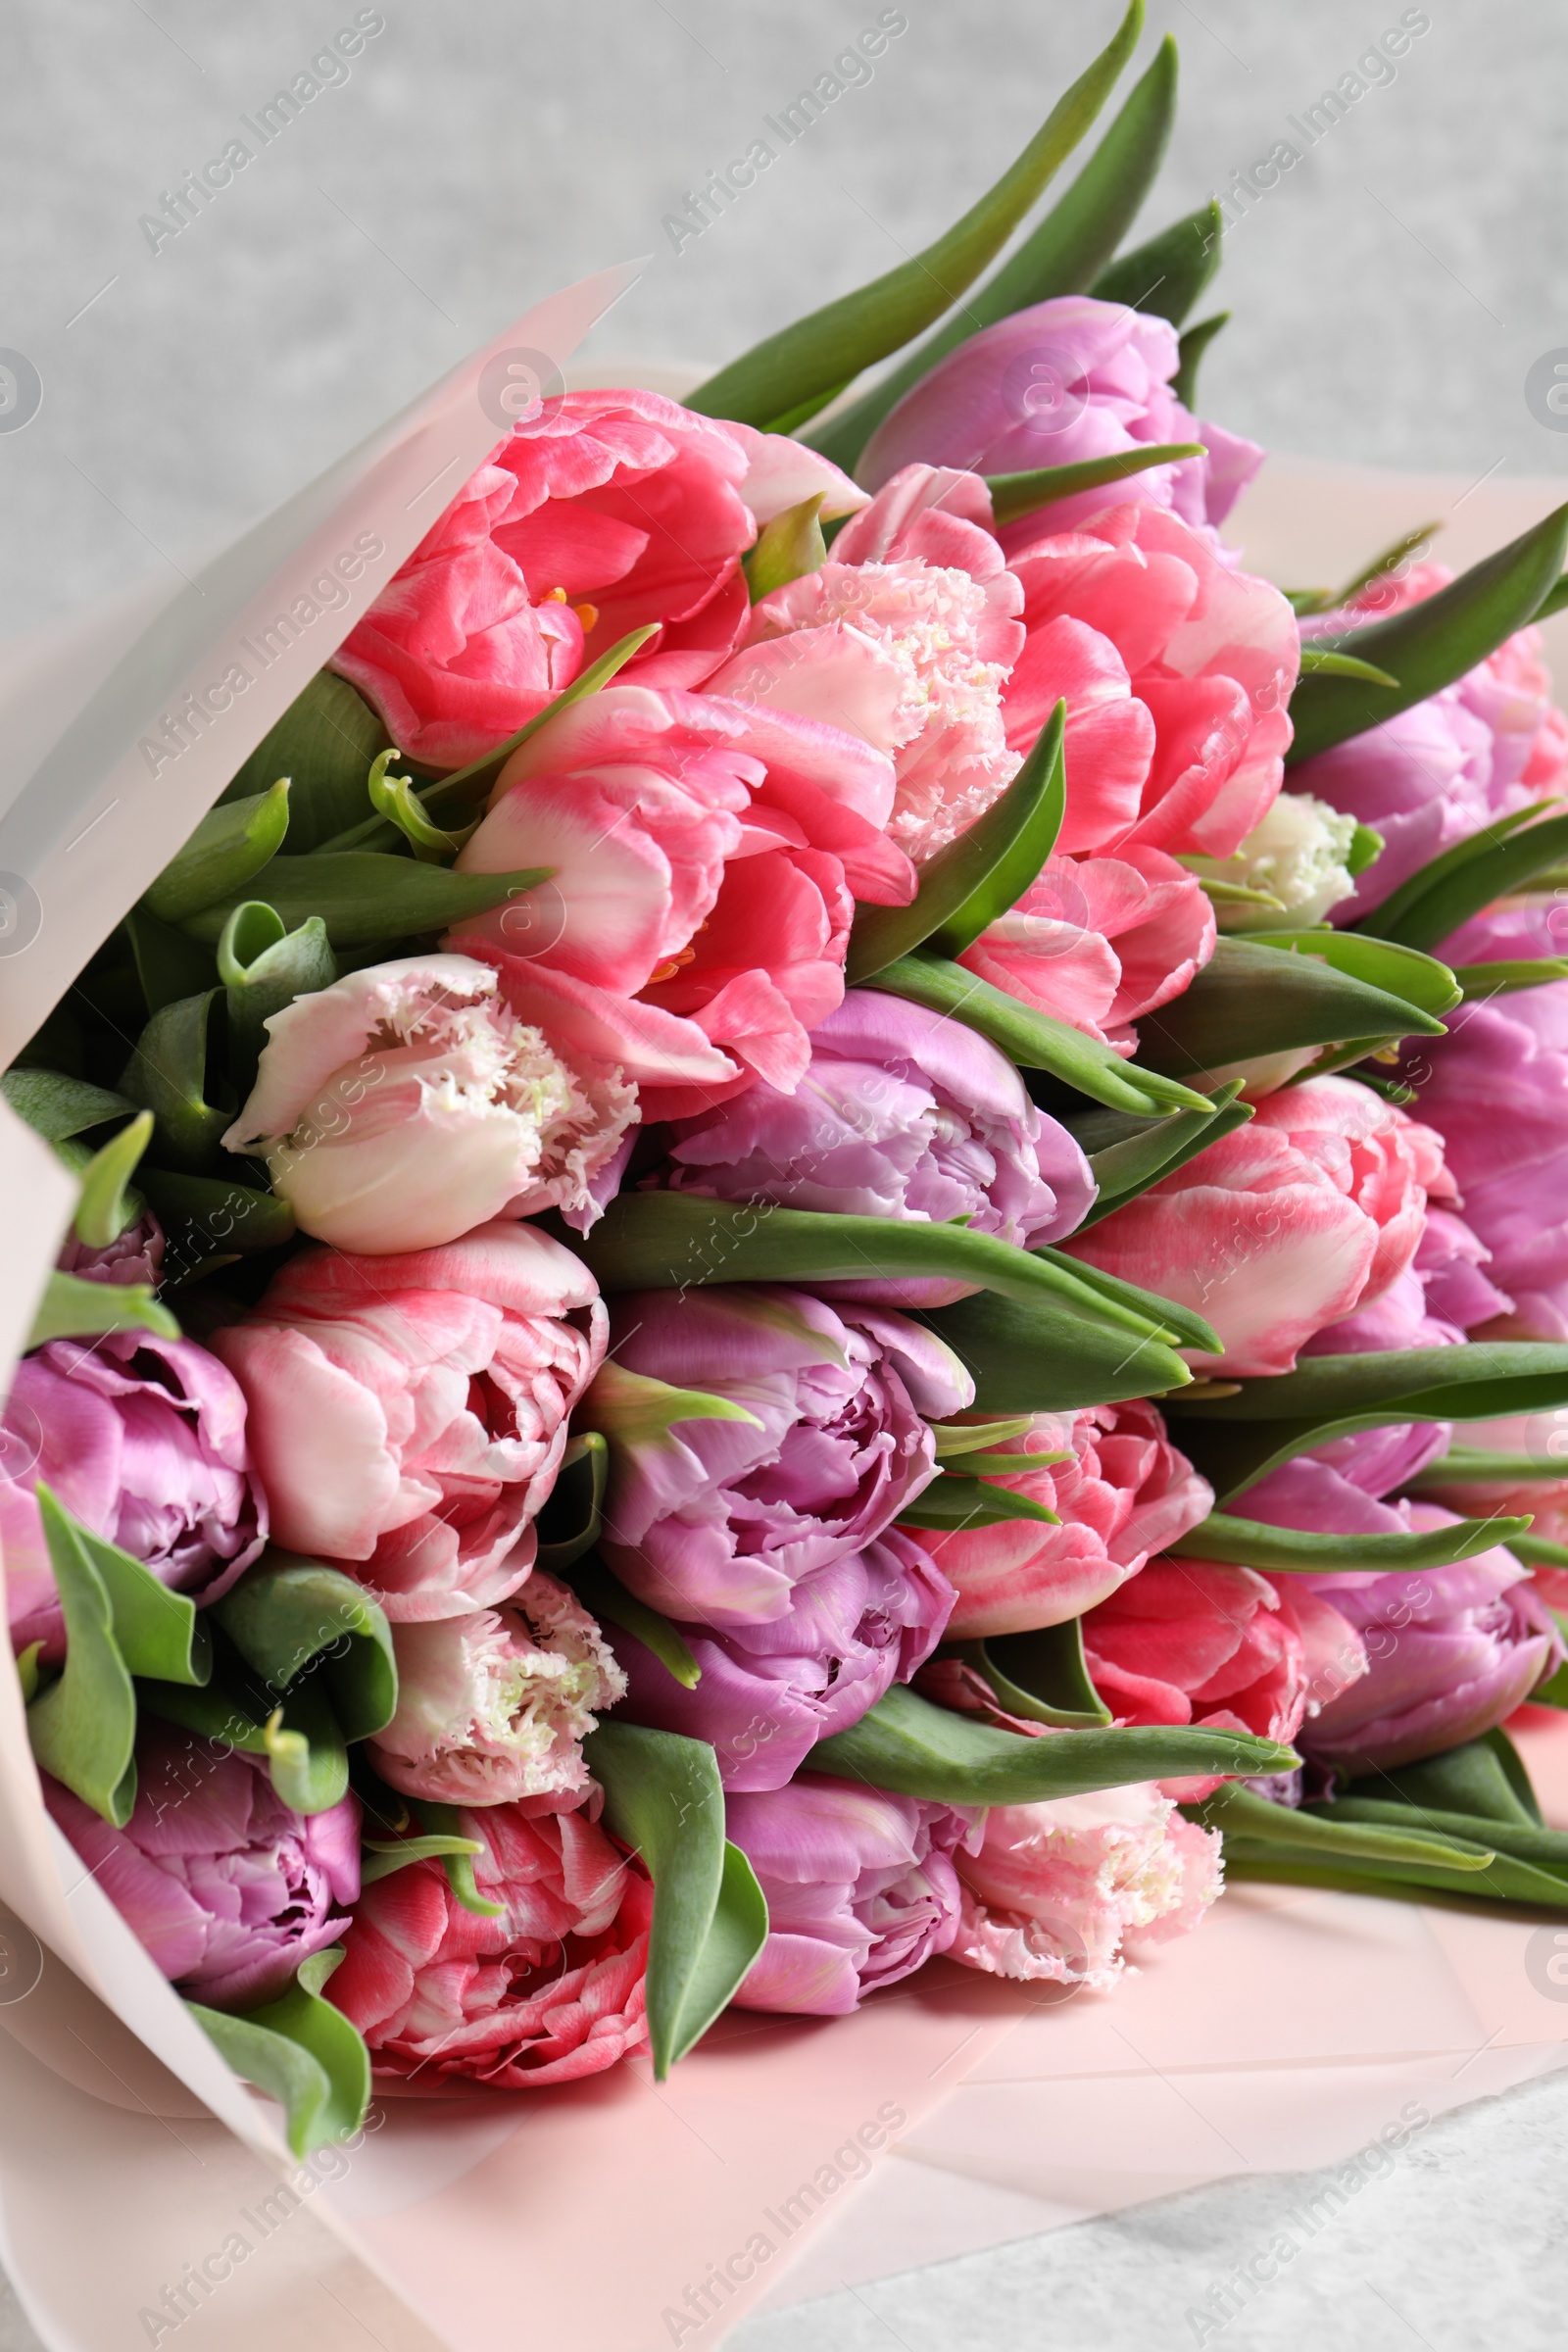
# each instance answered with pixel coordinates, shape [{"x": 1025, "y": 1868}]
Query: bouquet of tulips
[{"x": 784, "y": 1221}]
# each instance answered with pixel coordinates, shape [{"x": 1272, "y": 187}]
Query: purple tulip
[
  {"x": 1490, "y": 744},
  {"x": 860, "y": 1885},
  {"x": 806, "y": 1440},
  {"x": 1441, "y": 1296},
  {"x": 1338, "y": 1488},
  {"x": 143, "y": 1440},
  {"x": 1064, "y": 380},
  {"x": 227, "y": 1887},
  {"x": 769, "y": 1693},
  {"x": 136, "y": 1256},
  {"x": 903, "y": 1114},
  {"x": 1450, "y": 1652}
]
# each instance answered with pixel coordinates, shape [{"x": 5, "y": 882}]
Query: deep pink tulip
[
  {"x": 822, "y": 1440},
  {"x": 1123, "y": 1493},
  {"x": 1284, "y": 1227},
  {"x": 771, "y": 1690},
  {"x": 859, "y": 1886},
  {"x": 546, "y": 1992},
  {"x": 1069, "y": 1892},
  {"x": 227, "y": 1887},
  {"x": 145, "y": 1441},
  {"x": 1057, "y": 383},
  {"x": 410, "y": 1412}
]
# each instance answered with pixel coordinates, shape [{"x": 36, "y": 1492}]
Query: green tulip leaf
[
  {"x": 568, "y": 1525},
  {"x": 1036, "y": 1041},
  {"x": 1480, "y": 981},
  {"x": 303, "y": 2052},
  {"x": 1164, "y": 279},
  {"x": 1250, "y": 1001},
  {"x": 1014, "y": 495},
  {"x": 912, "y": 1748},
  {"x": 324, "y": 744},
  {"x": 786, "y": 549},
  {"x": 157, "y": 1631},
  {"x": 167, "y": 1074},
  {"x": 1546, "y": 1850},
  {"x": 606, "y": 1597},
  {"x": 263, "y": 967},
  {"x": 456, "y": 1857},
  {"x": 56, "y": 1107},
  {"x": 809, "y": 361},
  {"x": 72, "y": 1308},
  {"x": 101, "y": 1210},
  {"x": 291, "y": 1619},
  {"x": 362, "y": 895},
  {"x": 1430, "y": 643},
  {"x": 232, "y": 841},
  {"x": 382, "y": 1857},
  {"x": 168, "y": 966},
  {"x": 1322, "y": 661},
  {"x": 1484, "y": 1778},
  {"x": 1465, "y": 1464},
  {"x": 1235, "y": 1439},
  {"x": 1043, "y": 1358},
  {"x": 1190, "y": 352},
  {"x": 1182, "y": 1324},
  {"x": 663, "y": 1799},
  {"x": 298, "y": 1735},
  {"x": 955, "y": 1501},
  {"x": 1255, "y": 1544},
  {"x": 394, "y": 797},
  {"x": 1242, "y": 1813},
  {"x": 201, "y": 1215},
  {"x": 1445, "y": 893},
  {"x": 1040, "y": 1676},
  {"x": 1064, "y": 254},
  {"x": 82, "y": 1725},
  {"x": 1136, "y": 1153},
  {"x": 1474, "y": 1872}
]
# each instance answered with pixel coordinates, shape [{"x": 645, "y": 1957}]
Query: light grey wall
[{"x": 1390, "y": 294}]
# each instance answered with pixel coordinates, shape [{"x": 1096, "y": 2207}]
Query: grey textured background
[{"x": 1389, "y": 296}]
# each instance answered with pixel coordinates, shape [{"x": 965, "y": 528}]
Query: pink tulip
[
  {"x": 1098, "y": 942},
  {"x": 1187, "y": 1642},
  {"x": 1450, "y": 1652},
  {"x": 493, "y": 1708},
  {"x": 822, "y": 1441},
  {"x": 548, "y": 1992},
  {"x": 903, "y": 1113},
  {"x": 135, "y": 1255},
  {"x": 905, "y": 638},
  {"x": 1207, "y": 654},
  {"x": 1338, "y": 1488},
  {"x": 145, "y": 1441},
  {"x": 227, "y": 1889},
  {"x": 406, "y": 1105},
  {"x": 1491, "y": 743},
  {"x": 1433, "y": 1303},
  {"x": 1055, "y": 384},
  {"x": 769, "y": 1691},
  {"x": 1284, "y": 1227},
  {"x": 859, "y": 1886},
  {"x": 1122, "y": 1493},
  {"x": 1067, "y": 1891},
  {"x": 706, "y": 859},
  {"x": 409, "y": 1413}
]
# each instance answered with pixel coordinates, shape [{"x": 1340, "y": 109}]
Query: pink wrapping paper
[{"x": 783, "y": 2158}]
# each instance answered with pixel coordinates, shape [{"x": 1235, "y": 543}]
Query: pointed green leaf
[
  {"x": 1014, "y": 495},
  {"x": 1190, "y": 357},
  {"x": 1434, "y": 902},
  {"x": 830, "y": 346},
  {"x": 1243, "y": 1813},
  {"x": 384, "y": 1857},
  {"x": 167, "y": 1075},
  {"x": 1182, "y": 1324},
  {"x": 569, "y": 1524},
  {"x": 674, "y": 1241},
  {"x": 977, "y": 876},
  {"x": 1388, "y": 916},
  {"x": 957, "y": 1501},
  {"x": 1463, "y": 1463},
  {"x": 1254, "y": 1543},
  {"x": 1399, "y": 971},
  {"x": 663, "y": 1799},
  {"x": 606, "y": 1597},
  {"x": 1235, "y": 1439},
  {"x": 157, "y": 1631},
  {"x": 1063, "y": 255},
  {"x": 263, "y": 967},
  {"x": 299, "y": 1737},
  {"x": 1044, "y": 1358},
  {"x": 393, "y": 797},
  {"x": 363, "y": 897},
  {"x": 168, "y": 966},
  {"x": 1148, "y": 1150},
  {"x": 324, "y": 743},
  {"x": 456, "y": 1857},
  {"x": 83, "y": 1725},
  {"x": 1431, "y": 642},
  {"x": 1250, "y": 1001},
  {"x": 302, "y": 2050},
  {"x": 232, "y": 841},
  {"x": 907, "y": 1746},
  {"x": 1484, "y": 1778},
  {"x": 1546, "y": 1849},
  {"x": 787, "y": 548},
  {"x": 201, "y": 1215},
  {"x": 1389, "y": 560},
  {"x": 291, "y": 1618},
  {"x": 1319, "y": 661},
  {"x": 962, "y": 1437},
  {"x": 1164, "y": 277},
  {"x": 74, "y": 1308},
  {"x": 102, "y": 1213},
  {"x": 1040, "y": 1677},
  {"x": 1036, "y": 1041},
  {"x": 1480, "y": 981},
  {"x": 57, "y": 1106}
]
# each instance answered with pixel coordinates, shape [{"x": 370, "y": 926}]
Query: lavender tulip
[
  {"x": 860, "y": 1885},
  {"x": 903, "y": 1113},
  {"x": 144, "y": 1441},
  {"x": 1450, "y": 1652},
  {"x": 804, "y": 1442},
  {"x": 227, "y": 1887},
  {"x": 1064, "y": 380},
  {"x": 769, "y": 1693}
]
